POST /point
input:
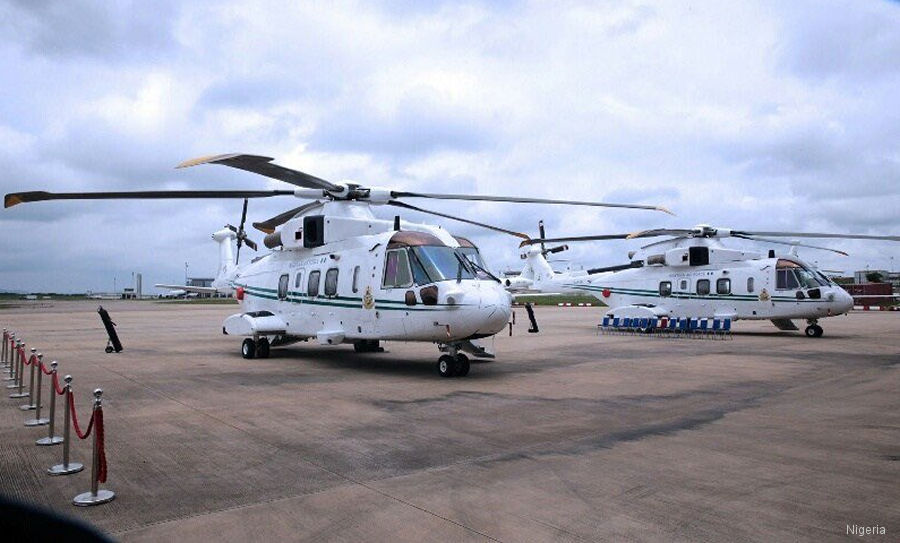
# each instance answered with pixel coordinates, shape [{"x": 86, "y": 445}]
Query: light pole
[{"x": 185, "y": 273}]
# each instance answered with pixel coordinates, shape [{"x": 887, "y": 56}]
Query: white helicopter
[
  {"x": 692, "y": 275},
  {"x": 338, "y": 274}
]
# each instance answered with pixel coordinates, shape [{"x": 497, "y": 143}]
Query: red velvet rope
[
  {"x": 45, "y": 369},
  {"x": 59, "y": 391},
  {"x": 101, "y": 449},
  {"x": 75, "y": 419}
]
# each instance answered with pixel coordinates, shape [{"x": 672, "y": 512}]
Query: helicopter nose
[
  {"x": 496, "y": 302},
  {"x": 844, "y": 300}
]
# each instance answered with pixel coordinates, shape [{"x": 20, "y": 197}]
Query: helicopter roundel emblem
[
  {"x": 764, "y": 296},
  {"x": 605, "y": 293},
  {"x": 368, "y": 300}
]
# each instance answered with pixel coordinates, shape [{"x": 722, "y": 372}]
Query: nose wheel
[
  {"x": 813, "y": 330},
  {"x": 453, "y": 366}
]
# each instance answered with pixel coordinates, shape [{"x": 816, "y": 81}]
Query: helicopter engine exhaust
[{"x": 273, "y": 240}]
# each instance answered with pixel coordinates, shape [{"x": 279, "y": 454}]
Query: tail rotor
[{"x": 241, "y": 234}]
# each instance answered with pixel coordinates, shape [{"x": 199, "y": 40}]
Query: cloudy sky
[{"x": 755, "y": 115}]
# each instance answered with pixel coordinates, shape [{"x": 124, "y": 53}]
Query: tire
[
  {"x": 248, "y": 348},
  {"x": 446, "y": 366},
  {"x": 262, "y": 348},
  {"x": 814, "y": 330},
  {"x": 109, "y": 349},
  {"x": 462, "y": 365},
  {"x": 818, "y": 331}
]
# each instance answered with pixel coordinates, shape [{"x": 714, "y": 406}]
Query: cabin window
[
  {"x": 683, "y": 285},
  {"x": 750, "y": 285},
  {"x": 665, "y": 288},
  {"x": 356, "y": 279},
  {"x": 396, "y": 269},
  {"x": 298, "y": 281},
  {"x": 723, "y": 286},
  {"x": 312, "y": 287},
  {"x": 702, "y": 287},
  {"x": 283, "y": 282},
  {"x": 331, "y": 278}
]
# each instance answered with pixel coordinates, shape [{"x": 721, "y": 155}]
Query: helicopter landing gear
[
  {"x": 453, "y": 364},
  {"x": 255, "y": 348},
  {"x": 262, "y": 348},
  {"x": 446, "y": 366},
  {"x": 248, "y": 348},
  {"x": 813, "y": 330}
]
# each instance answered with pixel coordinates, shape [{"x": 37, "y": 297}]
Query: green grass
[{"x": 553, "y": 299}]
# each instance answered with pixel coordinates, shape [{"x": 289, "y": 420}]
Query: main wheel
[
  {"x": 446, "y": 366},
  {"x": 262, "y": 348},
  {"x": 818, "y": 331},
  {"x": 248, "y": 348},
  {"x": 109, "y": 349},
  {"x": 462, "y": 365},
  {"x": 814, "y": 330}
]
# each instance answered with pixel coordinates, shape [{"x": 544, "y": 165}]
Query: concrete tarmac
[{"x": 567, "y": 436}]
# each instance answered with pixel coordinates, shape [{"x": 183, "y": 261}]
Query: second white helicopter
[{"x": 693, "y": 275}]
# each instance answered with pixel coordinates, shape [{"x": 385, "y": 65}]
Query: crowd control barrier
[{"x": 14, "y": 358}]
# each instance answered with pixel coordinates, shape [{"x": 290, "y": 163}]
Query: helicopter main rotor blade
[
  {"x": 521, "y": 200},
  {"x": 814, "y": 235},
  {"x": 793, "y": 244},
  {"x": 16, "y": 198},
  {"x": 263, "y": 165},
  {"x": 397, "y": 203},
  {"x": 599, "y": 237},
  {"x": 269, "y": 225}
]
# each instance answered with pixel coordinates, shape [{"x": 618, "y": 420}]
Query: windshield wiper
[{"x": 479, "y": 267}]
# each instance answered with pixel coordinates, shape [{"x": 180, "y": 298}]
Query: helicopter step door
[
  {"x": 257, "y": 323},
  {"x": 784, "y": 324}
]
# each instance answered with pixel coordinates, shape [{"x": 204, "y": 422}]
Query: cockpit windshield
[
  {"x": 431, "y": 264},
  {"x": 790, "y": 275}
]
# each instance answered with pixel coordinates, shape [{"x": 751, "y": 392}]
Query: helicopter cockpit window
[
  {"x": 441, "y": 264},
  {"x": 312, "y": 287},
  {"x": 396, "y": 269},
  {"x": 790, "y": 275},
  {"x": 702, "y": 287}
]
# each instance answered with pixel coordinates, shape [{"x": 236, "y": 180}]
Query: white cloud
[{"x": 758, "y": 115}]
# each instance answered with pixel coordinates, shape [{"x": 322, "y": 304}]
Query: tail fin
[
  {"x": 227, "y": 267},
  {"x": 537, "y": 269}
]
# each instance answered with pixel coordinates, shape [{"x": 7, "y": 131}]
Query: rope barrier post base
[
  {"x": 96, "y": 496},
  {"x": 88, "y": 498},
  {"x": 49, "y": 440},
  {"x": 66, "y": 468}
]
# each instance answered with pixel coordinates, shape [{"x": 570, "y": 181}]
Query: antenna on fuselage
[{"x": 396, "y": 223}]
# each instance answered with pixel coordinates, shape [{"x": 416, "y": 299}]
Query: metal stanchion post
[
  {"x": 95, "y": 496},
  {"x": 30, "y": 405},
  {"x": 4, "y": 347},
  {"x": 66, "y": 468},
  {"x": 37, "y": 420},
  {"x": 51, "y": 439},
  {"x": 20, "y": 367},
  {"x": 10, "y": 351}
]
